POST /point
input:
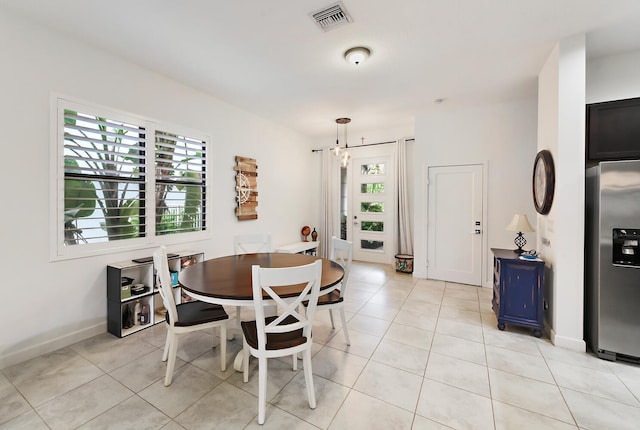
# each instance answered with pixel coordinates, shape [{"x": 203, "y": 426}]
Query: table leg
[
  {"x": 269, "y": 310},
  {"x": 237, "y": 362}
]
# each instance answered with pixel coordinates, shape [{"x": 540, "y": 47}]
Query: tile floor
[{"x": 423, "y": 355}]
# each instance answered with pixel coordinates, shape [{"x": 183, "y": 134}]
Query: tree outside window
[{"x": 106, "y": 180}]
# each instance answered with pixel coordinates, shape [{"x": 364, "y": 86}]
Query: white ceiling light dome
[{"x": 357, "y": 55}]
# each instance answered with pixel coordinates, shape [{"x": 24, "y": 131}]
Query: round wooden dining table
[{"x": 227, "y": 280}]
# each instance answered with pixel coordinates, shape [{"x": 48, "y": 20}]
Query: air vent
[{"x": 332, "y": 17}]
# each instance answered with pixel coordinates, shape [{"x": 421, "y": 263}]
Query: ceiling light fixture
[{"x": 357, "y": 55}]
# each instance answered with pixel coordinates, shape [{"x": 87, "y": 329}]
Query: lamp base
[{"x": 520, "y": 241}]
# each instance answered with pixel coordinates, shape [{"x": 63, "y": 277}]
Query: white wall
[
  {"x": 561, "y": 114},
  {"x": 614, "y": 77},
  {"x": 51, "y": 304},
  {"x": 504, "y": 137}
]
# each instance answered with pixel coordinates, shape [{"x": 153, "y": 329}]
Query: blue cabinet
[{"x": 517, "y": 290}]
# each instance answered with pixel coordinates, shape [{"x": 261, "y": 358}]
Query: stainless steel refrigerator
[{"x": 612, "y": 259}]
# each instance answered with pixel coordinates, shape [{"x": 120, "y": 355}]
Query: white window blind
[
  {"x": 128, "y": 182},
  {"x": 104, "y": 179},
  {"x": 180, "y": 183}
]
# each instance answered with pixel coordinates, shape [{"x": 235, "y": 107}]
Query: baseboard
[
  {"x": 50, "y": 345},
  {"x": 568, "y": 342}
]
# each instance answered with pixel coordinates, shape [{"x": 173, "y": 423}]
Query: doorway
[
  {"x": 455, "y": 225},
  {"x": 371, "y": 208}
]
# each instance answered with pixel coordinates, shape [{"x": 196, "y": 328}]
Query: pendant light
[
  {"x": 344, "y": 154},
  {"x": 336, "y": 150}
]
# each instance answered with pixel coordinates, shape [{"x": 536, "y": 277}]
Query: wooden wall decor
[{"x": 246, "y": 188}]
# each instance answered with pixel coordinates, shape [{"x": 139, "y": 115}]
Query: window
[
  {"x": 372, "y": 169},
  {"x": 104, "y": 179},
  {"x": 375, "y": 188},
  {"x": 376, "y": 245},
  {"x": 372, "y": 226},
  {"x": 126, "y": 182},
  {"x": 371, "y": 207},
  {"x": 180, "y": 184}
]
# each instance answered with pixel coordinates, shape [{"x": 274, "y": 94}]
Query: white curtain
[
  {"x": 405, "y": 241},
  {"x": 330, "y": 218}
]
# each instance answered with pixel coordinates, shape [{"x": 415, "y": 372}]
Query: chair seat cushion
[
  {"x": 328, "y": 299},
  {"x": 274, "y": 340},
  {"x": 197, "y": 312}
]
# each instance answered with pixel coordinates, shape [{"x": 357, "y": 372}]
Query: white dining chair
[
  {"x": 342, "y": 253},
  {"x": 250, "y": 243},
  {"x": 186, "y": 317},
  {"x": 288, "y": 332}
]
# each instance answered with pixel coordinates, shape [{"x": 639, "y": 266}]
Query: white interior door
[
  {"x": 371, "y": 221},
  {"x": 455, "y": 225}
]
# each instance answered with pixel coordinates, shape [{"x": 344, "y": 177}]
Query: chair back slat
[
  {"x": 161, "y": 264},
  {"x": 251, "y": 243},
  {"x": 267, "y": 280},
  {"x": 342, "y": 253}
]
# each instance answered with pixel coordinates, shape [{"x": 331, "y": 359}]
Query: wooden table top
[{"x": 230, "y": 277}]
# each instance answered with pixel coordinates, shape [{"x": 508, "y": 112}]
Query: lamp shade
[{"x": 520, "y": 222}]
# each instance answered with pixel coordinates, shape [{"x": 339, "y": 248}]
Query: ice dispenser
[{"x": 626, "y": 247}]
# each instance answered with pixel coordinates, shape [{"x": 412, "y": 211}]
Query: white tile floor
[{"x": 423, "y": 355}]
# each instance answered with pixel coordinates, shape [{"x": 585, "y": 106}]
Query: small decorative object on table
[
  {"x": 530, "y": 256},
  {"x": 305, "y": 233},
  {"x": 314, "y": 235}
]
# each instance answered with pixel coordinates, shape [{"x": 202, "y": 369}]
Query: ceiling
[{"x": 270, "y": 57}]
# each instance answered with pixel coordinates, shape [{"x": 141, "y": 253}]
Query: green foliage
[
  {"x": 372, "y": 225},
  {"x": 192, "y": 201},
  {"x": 79, "y": 202},
  {"x": 375, "y": 188},
  {"x": 79, "y": 196},
  {"x": 175, "y": 219},
  {"x": 121, "y": 215},
  {"x": 371, "y": 207},
  {"x": 372, "y": 169}
]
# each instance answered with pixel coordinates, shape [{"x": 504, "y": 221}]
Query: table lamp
[{"x": 520, "y": 224}]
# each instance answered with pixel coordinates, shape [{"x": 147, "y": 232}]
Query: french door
[{"x": 372, "y": 208}]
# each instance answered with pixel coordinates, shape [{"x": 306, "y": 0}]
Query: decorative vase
[
  {"x": 314, "y": 234},
  {"x": 305, "y": 233}
]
